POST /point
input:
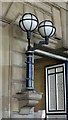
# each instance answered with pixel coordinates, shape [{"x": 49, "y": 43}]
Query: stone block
[
  {"x": 5, "y": 103},
  {"x": 19, "y": 45},
  {"x": 56, "y": 14},
  {"x": 25, "y": 111},
  {"x": 40, "y": 15},
  {"x": 43, "y": 6},
  {"x": 28, "y": 8},
  {"x": 5, "y": 81},
  {"x": 1, "y": 9},
  {"x": 18, "y": 33},
  {"x": 5, "y": 114},
  {"x": 0, "y": 106},
  {"x": 18, "y": 59},
  {"x": 14, "y": 105},
  {"x": 18, "y": 73},
  {"x": 47, "y": 17},
  {"x": 12, "y": 13},
  {"x": 16, "y": 87},
  {"x": 5, "y": 7}
]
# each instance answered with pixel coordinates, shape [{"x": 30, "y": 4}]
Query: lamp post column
[
  {"x": 30, "y": 71},
  {"x": 29, "y": 65}
]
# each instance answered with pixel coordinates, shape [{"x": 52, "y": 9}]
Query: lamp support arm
[{"x": 36, "y": 46}]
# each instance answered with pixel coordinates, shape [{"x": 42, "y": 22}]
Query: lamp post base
[{"x": 27, "y": 100}]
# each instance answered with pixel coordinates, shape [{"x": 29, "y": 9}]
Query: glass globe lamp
[
  {"x": 46, "y": 29},
  {"x": 28, "y": 23}
]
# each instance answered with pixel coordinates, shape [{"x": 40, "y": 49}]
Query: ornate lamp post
[{"x": 28, "y": 23}]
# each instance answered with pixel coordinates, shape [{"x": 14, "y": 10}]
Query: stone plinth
[{"x": 27, "y": 100}]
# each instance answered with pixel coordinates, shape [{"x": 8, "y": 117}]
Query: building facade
[{"x": 13, "y": 45}]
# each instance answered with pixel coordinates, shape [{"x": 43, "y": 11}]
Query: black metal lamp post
[{"x": 28, "y": 23}]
